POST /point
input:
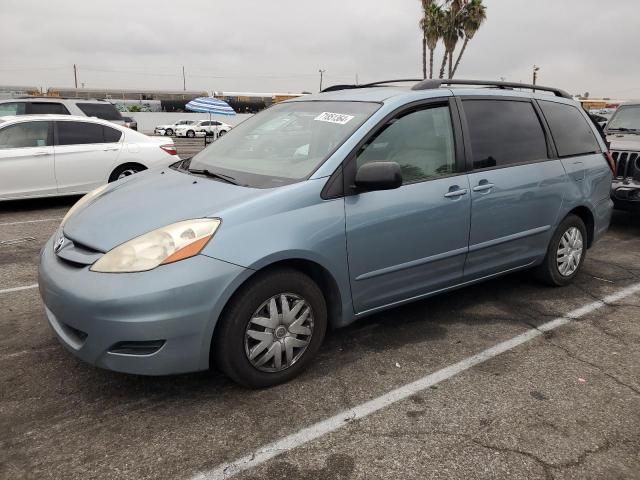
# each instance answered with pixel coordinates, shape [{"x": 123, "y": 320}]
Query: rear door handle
[
  {"x": 456, "y": 193},
  {"x": 483, "y": 187},
  {"x": 40, "y": 154}
]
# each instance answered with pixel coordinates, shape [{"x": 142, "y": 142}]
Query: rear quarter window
[
  {"x": 105, "y": 111},
  {"x": 571, "y": 132}
]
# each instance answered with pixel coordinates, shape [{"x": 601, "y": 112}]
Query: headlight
[
  {"x": 82, "y": 202},
  {"x": 166, "y": 245}
]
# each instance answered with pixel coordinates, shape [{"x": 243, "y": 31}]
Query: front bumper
[
  {"x": 626, "y": 194},
  {"x": 175, "y": 305}
]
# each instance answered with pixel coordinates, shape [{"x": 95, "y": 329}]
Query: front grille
[{"x": 627, "y": 164}]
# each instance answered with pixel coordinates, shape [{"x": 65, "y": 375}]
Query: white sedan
[
  {"x": 202, "y": 128},
  {"x": 170, "y": 129},
  {"x": 54, "y": 155}
]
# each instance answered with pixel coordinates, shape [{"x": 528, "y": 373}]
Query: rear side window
[
  {"x": 12, "y": 108},
  {"x": 111, "y": 135},
  {"x": 106, "y": 111},
  {"x": 43, "y": 108},
  {"x": 571, "y": 132},
  {"x": 25, "y": 135},
  {"x": 82, "y": 133},
  {"x": 504, "y": 132}
]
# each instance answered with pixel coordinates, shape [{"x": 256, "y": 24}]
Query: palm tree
[
  {"x": 425, "y": 7},
  {"x": 452, "y": 32},
  {"x": 473, "y": 16},
  {"x": 432, "y": 27}
]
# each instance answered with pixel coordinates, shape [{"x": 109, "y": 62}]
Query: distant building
[{"x": 12, "y": 91}]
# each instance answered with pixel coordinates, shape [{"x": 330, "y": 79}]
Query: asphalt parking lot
[{"x": 564, "y": 404}]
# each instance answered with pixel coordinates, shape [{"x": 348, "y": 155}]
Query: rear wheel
[
  {"x": 125, "y": 170},
  {"x": 222, "y": 133},
  {"x": 169, "y": 132},
  {"x": 271, "y": 330},
  {"x": 565, "y": 254},
  {"x": 191, "y": 134}
]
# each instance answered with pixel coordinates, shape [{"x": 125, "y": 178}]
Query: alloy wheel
[{"x": 279, "y": 332}]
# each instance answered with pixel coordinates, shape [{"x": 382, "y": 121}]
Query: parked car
[
  {"x": 131, "y": 123},
  {"x": 61, "y": 106},
  {"x": 53, "y": 155},
  {"x": 202, "y": 128},
  {"x": 320, "y": 211},
  {"x": 170, "y": 129},
  {"x": 623, "y": 133}
]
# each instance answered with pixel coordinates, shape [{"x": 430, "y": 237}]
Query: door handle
[
  {"x": 456, "y": 193},
  {"x": 483, "y": 187},
  {"x": 110, "y": 149},
  {"x": 40, "y": 154}
]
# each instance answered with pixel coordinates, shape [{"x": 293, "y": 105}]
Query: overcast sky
[{"x": 279, "y": 45}]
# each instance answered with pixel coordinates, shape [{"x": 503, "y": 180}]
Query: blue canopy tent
[{"x": 212, "y": 106}]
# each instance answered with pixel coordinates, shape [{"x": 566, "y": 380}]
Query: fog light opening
[{"x": 137, "y": 348}]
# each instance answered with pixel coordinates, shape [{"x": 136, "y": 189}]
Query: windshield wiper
[
  {"x": 220, "y": 176},
  {"x": 623, "y": 129}
]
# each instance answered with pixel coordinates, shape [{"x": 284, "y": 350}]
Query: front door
[
  {"x": 407, "y": 242},
  {"x": 516, "y": 189},
  {"x": 26, "y": 160},
  {"x": 85, "y": 155}
]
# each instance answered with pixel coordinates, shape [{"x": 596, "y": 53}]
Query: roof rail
[
  {"x": 334, "y": 88},
  {"x": 437, "y": 83}
]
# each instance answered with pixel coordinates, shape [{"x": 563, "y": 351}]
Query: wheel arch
[
  {"x": 125, "y": 165},
  {"x": 586, "y": 215}
]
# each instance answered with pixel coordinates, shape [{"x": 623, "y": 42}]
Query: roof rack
[
  {"x": 430, "y": 84},
  {"x": 334, "y": 88},
  {"x": 437, "y": 83}
]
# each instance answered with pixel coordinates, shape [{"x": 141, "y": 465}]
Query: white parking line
[
  {"x": 338, "y": 421},
  {"x": 18, "y": 289},
  {"x": 56, "y": 219}
]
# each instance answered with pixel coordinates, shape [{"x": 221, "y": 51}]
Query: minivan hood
[{"x": 148, "y": 201}]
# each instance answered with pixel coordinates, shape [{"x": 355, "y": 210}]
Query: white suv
[
  {"x": 61, "y": 106},
  {"x": 202, "y": 128}
]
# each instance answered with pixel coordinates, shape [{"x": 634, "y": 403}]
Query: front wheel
[
  {"x": 271, "y": 330},
  {"x": 191, "y": 134},
  {"x": 565, "y": 254},
  {"x": 168, "y": 132}
]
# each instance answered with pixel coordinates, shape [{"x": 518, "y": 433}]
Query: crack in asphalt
[{"x": 596, "y": 366}]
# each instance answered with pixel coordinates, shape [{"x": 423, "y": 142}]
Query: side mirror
[{"x": 378, "y": 176}]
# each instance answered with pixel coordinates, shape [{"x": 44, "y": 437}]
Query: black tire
[
  {"x": 549, "y": 271},
  {"x": 126, "y": 169},
  {"x": 222, "y": 133},
  {"x": 191, "y": 134},
  {"x": 228, "y": 344},
  {"x": 169, "y": 132}
]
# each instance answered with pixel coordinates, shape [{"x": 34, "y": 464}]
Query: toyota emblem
[{"x": 58, "y": 245}]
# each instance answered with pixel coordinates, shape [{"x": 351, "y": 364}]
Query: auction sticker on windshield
[{"x": 340, "y": 118}]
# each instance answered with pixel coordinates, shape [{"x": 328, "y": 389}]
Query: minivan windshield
[
  {"x": 283, "y": 144},
  {"x": 626, "y": 119}
]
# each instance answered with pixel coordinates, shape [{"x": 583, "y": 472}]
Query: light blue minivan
[{"x": 320, "y": 211}]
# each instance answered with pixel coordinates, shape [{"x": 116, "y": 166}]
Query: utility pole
[
  {"x": 536, "y": 68},
  {"x": 184, "y": 80},
  {"x": 321, "y": 75},
  {"x": 75, "y": 75}
]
